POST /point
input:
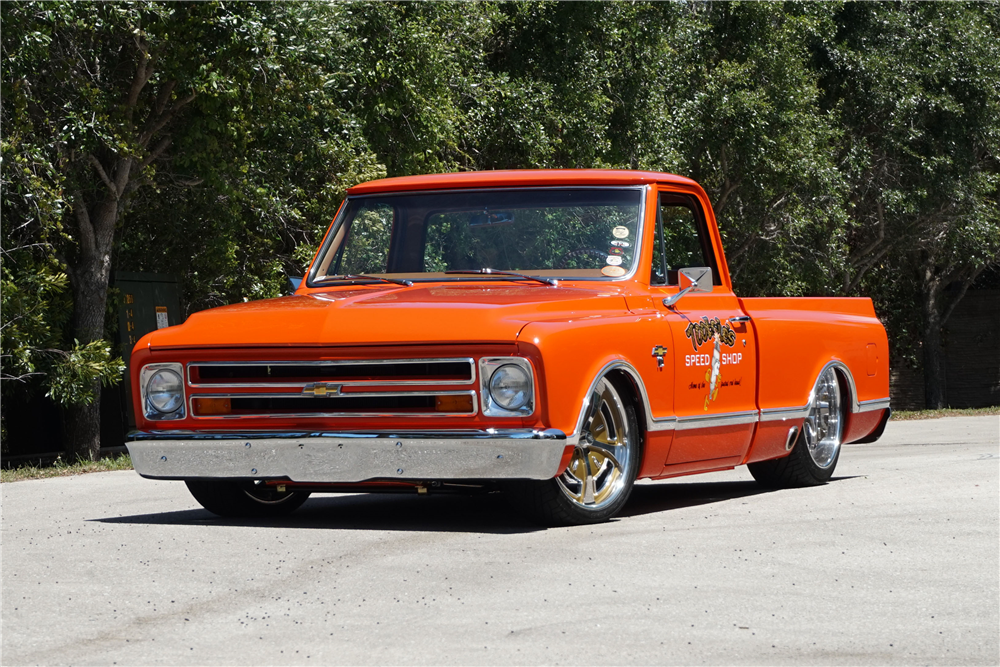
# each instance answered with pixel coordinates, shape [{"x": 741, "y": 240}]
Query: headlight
[
  {"x": 162, "y": 391},
  {"x": 510, "y": 387},
  {"x": 507, "y": 386}
]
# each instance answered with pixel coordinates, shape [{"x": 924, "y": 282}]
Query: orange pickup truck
[{"x": 555, "y": 335}]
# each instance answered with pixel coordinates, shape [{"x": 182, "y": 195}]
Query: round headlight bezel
[
  {"x": 504, "y": 397},
  {"x": 165, "y": 391}
]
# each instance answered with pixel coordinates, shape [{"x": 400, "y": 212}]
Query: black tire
[
  {"x": 233, "y": 499},
  {"x": 816, "y": 451},
  {"x": 611, "y": 443}
]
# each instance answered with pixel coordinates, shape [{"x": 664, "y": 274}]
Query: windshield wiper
[
  {"x": 509, "y": 274},
  {"x": 363, "y": 276}
]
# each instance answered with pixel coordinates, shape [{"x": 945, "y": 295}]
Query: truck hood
[{"x": 380, "y": 314}]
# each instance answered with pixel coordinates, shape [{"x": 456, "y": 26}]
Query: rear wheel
[
  {"x": 817, "y": 449},
  {"x": 599, "y": 478},
  {"x": 244, "y": 498}
]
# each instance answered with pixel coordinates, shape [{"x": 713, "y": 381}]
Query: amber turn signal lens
[
  {"x": 212, "y": 406},
  {"x": 462, "y": 403}
]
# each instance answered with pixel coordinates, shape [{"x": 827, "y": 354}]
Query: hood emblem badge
[{"x": 321, "y": 389}]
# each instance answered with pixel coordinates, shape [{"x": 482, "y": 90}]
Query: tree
[
  {"x": 276, "y": 155},
  {"x": 915, "y": 86},
  {"x": 724, "y": 92},
  {"x": 752, "y": 132},
  {"x": 847, "y": 148},
  {"x": 111, "y": 99}
]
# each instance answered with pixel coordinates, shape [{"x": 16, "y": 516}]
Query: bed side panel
[{"x": 797, "y": 337}]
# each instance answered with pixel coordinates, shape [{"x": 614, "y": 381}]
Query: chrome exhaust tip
[{"x": 790, "y": 442}]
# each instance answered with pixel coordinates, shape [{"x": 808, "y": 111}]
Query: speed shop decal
[
  {"x": 719, "y": 334},
  {"x": 620, "y": 232}
]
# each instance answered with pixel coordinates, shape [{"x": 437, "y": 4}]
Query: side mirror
[
  {"x": 292, "y": 284},
  {"x": 693, "y": 279}
]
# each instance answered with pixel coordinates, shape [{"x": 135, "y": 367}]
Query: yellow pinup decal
[
  {"x": 720, "y": 334},
  {"x": 714, "y": 374}
]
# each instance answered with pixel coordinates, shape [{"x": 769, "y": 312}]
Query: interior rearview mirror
[{"x": 491, "y": 218}]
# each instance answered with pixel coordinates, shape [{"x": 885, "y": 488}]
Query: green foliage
[
  {"x": 242, "y": 155},
  {"x": 261, "y": 163},
  {"x": 752, "y": 135},
  {"x": 30, "y": 305},
  {"x": 74, "y": 378},
  {"x": 34, "y": 294},
  {"x": 907, "y": 415},
  {"x": 848, "y": 148},
  {"x": 915, "y": 89}
]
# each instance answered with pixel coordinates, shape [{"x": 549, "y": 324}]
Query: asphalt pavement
[{"x": 895, "y": 562}]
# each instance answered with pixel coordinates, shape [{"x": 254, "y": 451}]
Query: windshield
[{"x": 581, "y": 233}]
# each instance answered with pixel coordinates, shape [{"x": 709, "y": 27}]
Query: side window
[{"x": 680, "y": 241}]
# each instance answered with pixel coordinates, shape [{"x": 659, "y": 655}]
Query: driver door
[{"x": 714, "y": 351}]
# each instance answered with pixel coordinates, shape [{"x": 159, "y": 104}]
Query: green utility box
[{"x": 146, "y": 302}]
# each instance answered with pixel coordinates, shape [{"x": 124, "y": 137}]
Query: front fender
[{"x": 571, "y": 356}]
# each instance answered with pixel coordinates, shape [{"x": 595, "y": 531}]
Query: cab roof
[{"x": 517, "y": 178}]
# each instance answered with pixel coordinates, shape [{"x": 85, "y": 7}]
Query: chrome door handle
[{"x": 739, "y": 318}]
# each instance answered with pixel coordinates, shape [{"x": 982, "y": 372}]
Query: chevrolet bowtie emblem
[
  {"x": 321, "y": 389},
  {"x": 658, "y": 352}
]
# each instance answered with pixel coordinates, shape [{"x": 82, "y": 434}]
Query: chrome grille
[
  {"x": 348, "y": 372},
  {"x": 367, "y": 404},
  {"x": 333, "y": 388}
]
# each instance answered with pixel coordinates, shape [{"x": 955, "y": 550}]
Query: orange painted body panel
[
  {"x": 860, "y": 424},
  {"x": 573, "y": 353},
  {"x": 797, "y": 336},
  {"x": 572, "y": 334},
  {"x": 519, "y": 178},
  {"x": 771, "y": 440}
]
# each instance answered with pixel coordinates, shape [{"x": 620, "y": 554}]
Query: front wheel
[
  {"x": 599, "y": 478},
  {"x": 817, "y": 449},
  {"x": 244, "y": 498}
]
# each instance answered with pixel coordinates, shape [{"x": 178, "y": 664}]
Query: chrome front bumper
[{"x": 348, "y": 457}]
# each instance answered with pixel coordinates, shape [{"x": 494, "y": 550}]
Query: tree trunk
[
  {"x": 932, "y": 288},
  {"x": 82, "y": 426},
  {"x": 90, "y": 277}
]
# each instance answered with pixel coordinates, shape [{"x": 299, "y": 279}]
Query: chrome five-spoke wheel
[
  {"x": 597, "y": 473},
  {"x": 599, "y": 477}
]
